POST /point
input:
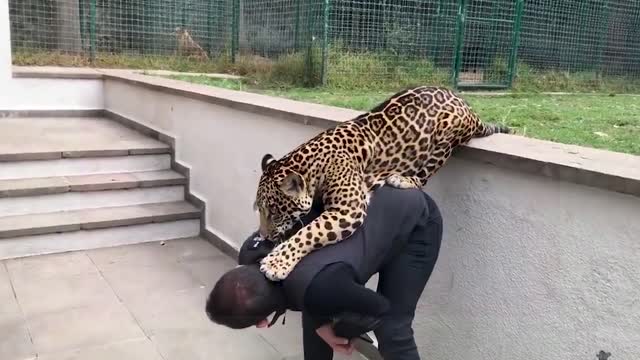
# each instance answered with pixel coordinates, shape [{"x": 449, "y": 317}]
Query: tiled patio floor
[{"x": 142, "y": 302}]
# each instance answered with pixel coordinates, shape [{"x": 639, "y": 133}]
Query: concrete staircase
[{"x": 81, "y": 183}]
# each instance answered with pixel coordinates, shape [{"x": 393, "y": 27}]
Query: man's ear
[
  {"x": 293, "y": 184},
  {"x": 266, "y": 160}
]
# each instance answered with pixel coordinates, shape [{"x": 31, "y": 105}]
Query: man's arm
[
  {"x": 253, "y": 249},
  {"x": 315, "y": 348}
]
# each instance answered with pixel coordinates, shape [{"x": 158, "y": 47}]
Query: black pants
[{"x": 401, "y": 281}]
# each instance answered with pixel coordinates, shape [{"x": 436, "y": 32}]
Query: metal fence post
[
  {"x": 147, "y": 27},
  {"x": 210, "y": 27},
  {"x": 325, "y": 42},
  {"x": 235, "y": 28},
  {"x": 81, "y": 22},
  {"x": 457, "y": 58},
  {"x": 92, "y": 30},
  {"x": 515, "y": 42},
  {"x": 183, "y": 14},
  {"x": 435, "y": 45},
  {"x": 308, "y": 63},
  {"x": 296, "y": 34},
  {"x": 493, "y": 32},
  {"x": 604, "y": 32}
]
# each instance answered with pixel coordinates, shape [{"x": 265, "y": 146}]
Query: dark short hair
[{"x": 242, "y": 297}]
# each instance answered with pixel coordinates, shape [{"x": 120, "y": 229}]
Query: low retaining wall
[{"x": 541, "y": 249}]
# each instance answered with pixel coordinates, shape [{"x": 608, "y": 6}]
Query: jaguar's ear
[
  {"x": 266, "y": 160},
  {"x": 293, "y": 184}
]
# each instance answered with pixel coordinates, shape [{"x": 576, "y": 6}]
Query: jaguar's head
[{"x": 282, "y": 198}]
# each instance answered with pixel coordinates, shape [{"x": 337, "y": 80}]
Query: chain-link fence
[
  {"x": 127, "y": 33},
  {"x": 344, "y": 43}
]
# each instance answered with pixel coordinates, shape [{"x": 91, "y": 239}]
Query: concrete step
[
  {"x": 47, "y": 138},
  {"x": 83, "y": 166},
  {"x": 88, "y": 200},
  {"x": 87, "y": 219},
  {"x": 63, "y": 184},
  {"x": 82, "y": 183},
  {"x": 97, "y": 238}
]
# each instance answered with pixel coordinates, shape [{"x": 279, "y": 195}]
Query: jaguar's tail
[{"x": 490, "y": 129}]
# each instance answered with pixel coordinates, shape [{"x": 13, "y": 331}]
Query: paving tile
[
  {"x": 152, "y": 253},
  {"x": 287, "y": 338},
  {"x": 14, "y": 339},
  {"x": 132, "y": 281},
  {"x": 97, "y": 324},
  {"x": 164, "y": 297},
  {"x": 209, "y": 270},
  {"x": 192, "y": 249},
  {"x": 15, "y": 342},
  {"x": 37, "y": 295},
  {"x": 171, "y": 310},
  {"x": 9, "y": 305},
  {"x": 214, "y": 344},
  {"x": 43, "y": 267},
  {"x": 136, "y": 349}
]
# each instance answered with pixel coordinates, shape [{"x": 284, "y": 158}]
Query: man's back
[{"x": 369, "y": 248}]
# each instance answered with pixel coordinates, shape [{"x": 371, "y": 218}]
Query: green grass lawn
[{"x": 594, "y": 120}]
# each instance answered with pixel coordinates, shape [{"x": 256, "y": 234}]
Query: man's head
[{"x": 244, "y": 297}]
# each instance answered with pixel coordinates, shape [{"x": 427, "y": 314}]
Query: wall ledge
[
  {"x": 53, "y": 72},
  {"x": 602, "y": 169}
]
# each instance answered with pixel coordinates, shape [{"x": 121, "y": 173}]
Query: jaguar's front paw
[{"x": 276, "y": 266}]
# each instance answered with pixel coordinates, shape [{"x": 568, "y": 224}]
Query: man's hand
[{"x": 338, "y": 344}]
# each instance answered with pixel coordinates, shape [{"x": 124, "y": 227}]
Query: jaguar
[{"x": 402, "y": 143}]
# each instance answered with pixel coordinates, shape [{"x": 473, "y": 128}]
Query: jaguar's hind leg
[{"x": 442, "y": 153}]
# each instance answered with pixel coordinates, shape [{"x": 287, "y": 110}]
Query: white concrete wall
[
  {"x": 530, "y": 268},
  {"x": 209, "y": 138},
  {"x": 41, "y": 94},
  {"x": 51, "y": 94},
  {"x": 5, "y": 43}
]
